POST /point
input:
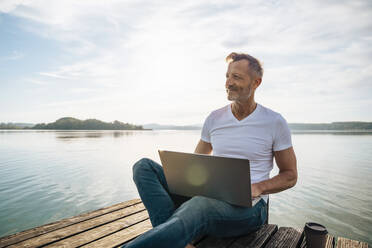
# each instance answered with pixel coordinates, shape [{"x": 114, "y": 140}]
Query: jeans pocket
[{"x": 263, "y": 213}]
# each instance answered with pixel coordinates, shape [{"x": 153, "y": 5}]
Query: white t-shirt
[{"x": 255, "y": 137}]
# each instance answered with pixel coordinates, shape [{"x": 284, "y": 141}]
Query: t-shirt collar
[{"x": 250, "y": 116}]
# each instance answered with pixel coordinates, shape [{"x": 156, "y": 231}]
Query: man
[{"x": 242, "y": 129}]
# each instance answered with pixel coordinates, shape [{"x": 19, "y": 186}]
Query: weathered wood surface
[
  {"x": 348, "y": 243},
  {"x": 329, "y": 243},
  {"x": 285, "y": 237},
  {"x": 257, "y": 239},
  {"x": 34, "y": 232},
  {"x": 213, "y": 242},
  {"x": 122, "y": 236},
  {"x": 88, "y": 225},
  {"x": 118, "y": 224},
  {"x": 103, "y": 231}
]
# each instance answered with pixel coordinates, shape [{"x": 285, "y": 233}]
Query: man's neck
[{"x": 242, "y": 109}]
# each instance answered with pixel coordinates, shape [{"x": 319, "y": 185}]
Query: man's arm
[
  {"x": 287, "y": 177},
  {"x": 203, "y": 148}
]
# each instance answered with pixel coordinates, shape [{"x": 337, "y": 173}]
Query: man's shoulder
[
  {"x": 268, "y": 113},
  {"x": 272, "y": 117},
  {"x": 219, "y": 112}
]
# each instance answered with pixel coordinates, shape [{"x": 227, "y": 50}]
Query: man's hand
[{"x": 256, "y": 191}]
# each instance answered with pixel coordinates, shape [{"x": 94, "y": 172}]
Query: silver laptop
[{"x": 222, "y": 178}]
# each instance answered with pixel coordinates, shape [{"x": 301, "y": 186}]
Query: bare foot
[{"x": 189, "y": 246}]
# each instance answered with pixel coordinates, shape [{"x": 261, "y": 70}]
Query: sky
[{"x": 164, "y": 61}]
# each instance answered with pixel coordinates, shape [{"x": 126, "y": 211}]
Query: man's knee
[
  {"x": 199, "y": 199},
  {"x": 143, "y": 163}
]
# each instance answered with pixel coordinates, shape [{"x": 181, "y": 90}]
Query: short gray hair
[{"x": 255, "y": 65}]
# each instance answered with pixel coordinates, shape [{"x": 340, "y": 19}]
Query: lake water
[{"x": 49, "y": 175}]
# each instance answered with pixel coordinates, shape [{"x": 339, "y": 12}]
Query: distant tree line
[
  {"x": 9, "y": 126},
  {"x": 352, "y": 125},
  {"x": 69, "y": 123}
]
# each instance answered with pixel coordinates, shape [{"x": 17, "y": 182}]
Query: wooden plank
[
  {"x": 214, "y": 242},
  {"x": 348, "y": 243},
  {"x": 256, "y": 239},
  {"x": 33, "y": 232},
  {"x": 122, "y": 236},
  {"x": 329, "y": 243},
  {"x": 285, "y": 237},
  {"x": 68, "y": 231},
  {"x": 101, "y": 231}
]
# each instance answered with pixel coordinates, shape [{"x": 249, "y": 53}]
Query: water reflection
[
  {"x": 92, "y": 134},
  {"x": 59, "y": 174},
  {"x": 333, "y": 132},
  {"x": 63, "y": 134}
]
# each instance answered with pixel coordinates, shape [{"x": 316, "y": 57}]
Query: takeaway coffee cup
[{"x": 316, "y": 235}]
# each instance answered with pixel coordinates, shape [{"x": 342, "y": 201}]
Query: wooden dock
[{"x": 115, "y": 225}]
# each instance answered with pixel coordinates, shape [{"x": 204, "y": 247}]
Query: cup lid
[{"x": 315, "y": 228}]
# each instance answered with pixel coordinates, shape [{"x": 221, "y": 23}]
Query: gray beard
[{"x": 232, "y": 99}]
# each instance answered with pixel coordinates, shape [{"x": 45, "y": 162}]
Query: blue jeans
[{"x": 178, "y": 220}]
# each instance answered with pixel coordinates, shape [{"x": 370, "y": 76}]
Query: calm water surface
[{"x": 49, "y": 175}]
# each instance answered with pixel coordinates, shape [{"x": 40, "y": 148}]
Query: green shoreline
[{"x": 69, "y": 123}]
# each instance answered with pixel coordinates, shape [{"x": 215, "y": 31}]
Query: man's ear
[{"x": 257, "y": 82}]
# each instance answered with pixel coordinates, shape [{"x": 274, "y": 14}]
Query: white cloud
[
  {"x": 9, "y": 5},
  {"x": 14, "y": 55},
  {"x": 53, "y": 75},
  {"x": 316, "y": 53},
  {"x": 36, "y": 81}
]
